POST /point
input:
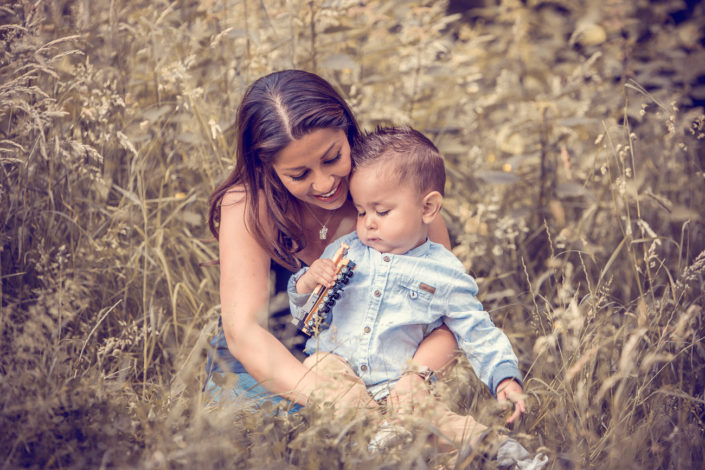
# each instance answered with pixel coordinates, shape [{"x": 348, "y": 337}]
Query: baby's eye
[
  {"x": 382, "y": 213},
  {"x": 360, "y": 214}
]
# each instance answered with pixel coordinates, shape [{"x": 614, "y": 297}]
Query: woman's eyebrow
[{"x": 324, "y": 155}]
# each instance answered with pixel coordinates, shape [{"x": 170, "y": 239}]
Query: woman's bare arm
[
  {"x": 244, "y": 296},
  {"x": 438, "y": 232}
]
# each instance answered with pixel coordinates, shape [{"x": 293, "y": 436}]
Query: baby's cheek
[{"x": 360, "y": 227}]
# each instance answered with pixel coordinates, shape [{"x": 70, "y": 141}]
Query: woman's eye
[
  {"x": 333, "y": 160},
  {"x": 299, "y": 177}
]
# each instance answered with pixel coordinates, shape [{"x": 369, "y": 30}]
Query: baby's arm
[{"x": 487, "y": 347}]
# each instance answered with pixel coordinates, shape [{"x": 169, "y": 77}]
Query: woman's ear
[{"x": 431, "y": 206}]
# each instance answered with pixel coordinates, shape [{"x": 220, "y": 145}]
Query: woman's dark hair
[{"x": 277, "y": 109}]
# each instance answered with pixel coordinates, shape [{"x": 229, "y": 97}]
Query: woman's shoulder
[
  {"x": 236, "y": 203},
  {"x": 234, "y": 195},
  {"x": 238, "y": 195}
]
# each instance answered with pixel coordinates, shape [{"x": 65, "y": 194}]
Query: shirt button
[
  {"x": 367, "y": 329},
  {"x": 412, "y": 294},
  {"x": 377, "y": 293},
  {"x": 386, "y": 258},
  {"x": 363, "y": 368}
]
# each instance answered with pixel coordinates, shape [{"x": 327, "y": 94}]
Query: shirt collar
[{"x": 420, "y": 250}]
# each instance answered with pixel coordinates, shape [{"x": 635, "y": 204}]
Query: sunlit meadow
[{"x": 573, "y": 136}]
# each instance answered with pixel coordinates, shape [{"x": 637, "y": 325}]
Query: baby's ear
[{"x": 431, "y": 206}]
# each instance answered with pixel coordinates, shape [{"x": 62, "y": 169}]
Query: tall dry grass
[{"x": 575, "y": 160}]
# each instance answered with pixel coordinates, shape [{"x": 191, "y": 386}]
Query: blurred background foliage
[{"x": 573, "y": 136}]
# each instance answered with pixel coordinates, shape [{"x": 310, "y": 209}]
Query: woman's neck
[{"x": 341, "y": 222}]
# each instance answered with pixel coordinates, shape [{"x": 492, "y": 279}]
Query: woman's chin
[{"x": 335, "y": 200}]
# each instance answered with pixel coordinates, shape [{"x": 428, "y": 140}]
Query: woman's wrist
[{"x": 423, "y": 373}]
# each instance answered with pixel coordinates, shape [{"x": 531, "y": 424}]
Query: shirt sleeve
[
  {"x": 487, "y": 348},
  {"x": 296, "y": 300}
]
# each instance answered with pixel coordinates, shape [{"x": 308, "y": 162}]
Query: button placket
[{"x": 380, "y": 273}]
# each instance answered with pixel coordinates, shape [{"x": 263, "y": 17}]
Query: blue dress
[{"x": 221, "y": 361}]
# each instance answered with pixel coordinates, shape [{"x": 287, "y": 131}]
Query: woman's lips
[{"x": 333, "y": 194}]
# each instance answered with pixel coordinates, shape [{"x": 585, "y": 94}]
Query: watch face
[{"x": 424, "y": 372}]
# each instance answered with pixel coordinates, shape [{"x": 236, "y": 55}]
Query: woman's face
[{"x": 316, "y": 167}]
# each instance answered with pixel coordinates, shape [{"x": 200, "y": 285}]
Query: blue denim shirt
[{"x": 393, "y": 301}]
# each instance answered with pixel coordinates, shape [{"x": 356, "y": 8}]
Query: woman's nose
[{"x": 323, "y": 183}]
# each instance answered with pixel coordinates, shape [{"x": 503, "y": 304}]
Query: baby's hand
[
  {"x": 509, "y": 390},
  {"x": 322, "y": 271}
]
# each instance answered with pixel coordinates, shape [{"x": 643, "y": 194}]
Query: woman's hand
[
  {"x": 509, "y": 391},
  {"x": 408, "y": 393},
  {"x": 337, "y": 385},
  {"x": 322, "y": 271}
]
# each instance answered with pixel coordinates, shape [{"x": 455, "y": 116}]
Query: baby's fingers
[
  {"x": 519, "y": 409},
  {"x": 509, "y": 396},
  {"x": 323, "y": 271},
  {"x": 323, "y": 278}
]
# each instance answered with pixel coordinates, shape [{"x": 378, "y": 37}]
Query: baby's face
[{"x": 389, "y": 213}]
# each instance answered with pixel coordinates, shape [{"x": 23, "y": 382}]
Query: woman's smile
[{"x": 331, "y": 195}]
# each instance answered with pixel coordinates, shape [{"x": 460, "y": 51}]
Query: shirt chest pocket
[{"x": 416, "y": 296}]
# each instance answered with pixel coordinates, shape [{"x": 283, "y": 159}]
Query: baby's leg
[
  {"x": 455, "y": 429},
  {"x": 464, "y": 433},
  {"x": 412, "y": 400},
  {"x": 341, "y": 386}
]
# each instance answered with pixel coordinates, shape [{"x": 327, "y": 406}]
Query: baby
[{"x": 404, "y": 285}]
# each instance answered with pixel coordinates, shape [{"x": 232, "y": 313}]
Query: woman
[{"x": 286, "y": 199}]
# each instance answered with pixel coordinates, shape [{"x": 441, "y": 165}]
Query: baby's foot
[
  {"x": 388, "y": 435},
  {"x": 511, "y": 453}
]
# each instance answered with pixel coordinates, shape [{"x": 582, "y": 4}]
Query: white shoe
[
  {"x": 388, "y": 435},
  {"x": 511, "y": 453}
]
